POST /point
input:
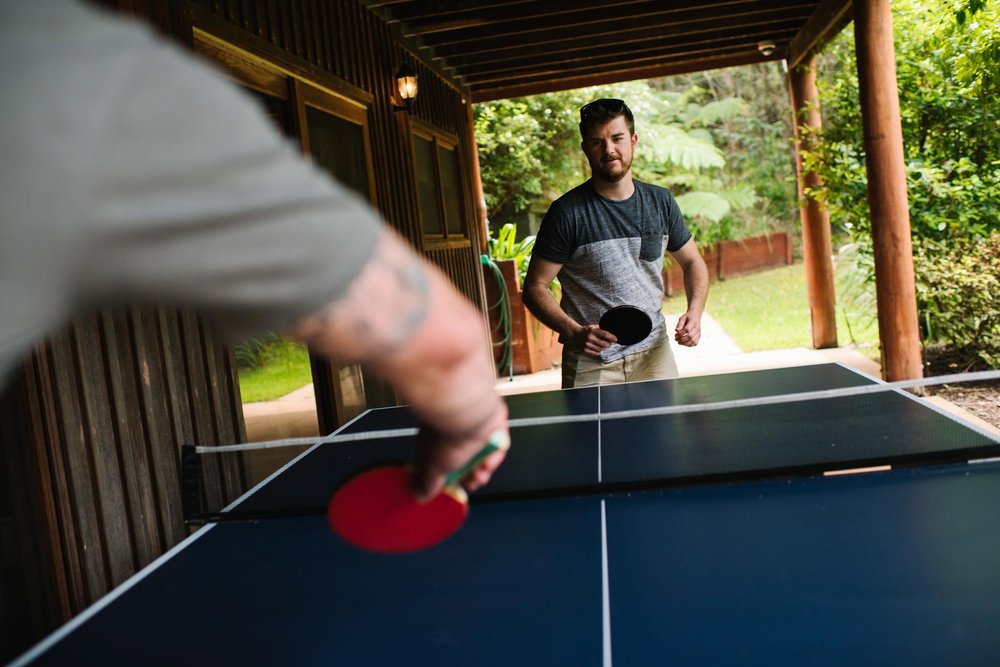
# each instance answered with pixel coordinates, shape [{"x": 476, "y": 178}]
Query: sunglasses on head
[{"x": 602, "y": 108}]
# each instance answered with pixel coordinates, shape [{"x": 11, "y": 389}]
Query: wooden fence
[{"x": 727, "y": 259}]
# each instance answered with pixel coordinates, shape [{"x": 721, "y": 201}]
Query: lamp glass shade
[{"x": 406, "y": 83}]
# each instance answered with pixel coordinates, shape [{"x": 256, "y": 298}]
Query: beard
[{"x": 610, "y": 171}]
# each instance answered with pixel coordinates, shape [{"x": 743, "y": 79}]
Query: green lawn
[
  {"x": 770, "y": 311},
  {"x": 284, "y": 368}
]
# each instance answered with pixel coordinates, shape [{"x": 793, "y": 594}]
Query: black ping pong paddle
[{"x": 629, "y": 324}]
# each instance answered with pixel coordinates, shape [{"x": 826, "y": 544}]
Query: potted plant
[{"x": 522, "y": 344}]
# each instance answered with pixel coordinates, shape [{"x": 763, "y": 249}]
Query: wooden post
[
  {"x": 817, "y": 248},
  {"x": 890, "y": 218},
  {"x": 477, "y": 182}
]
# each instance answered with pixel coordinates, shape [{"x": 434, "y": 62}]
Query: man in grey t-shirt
[
  {"x": 133, "y": 174},
  {"x": 605, "y": 240}
]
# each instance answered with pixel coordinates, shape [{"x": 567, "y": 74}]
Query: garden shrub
[
  {"x": 250, "y": 353},
  {"x": 958, "y": 296},
  {"x": 505, "y": 245}
]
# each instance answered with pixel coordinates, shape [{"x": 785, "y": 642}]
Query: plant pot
[{"x": 534, "y": 347}]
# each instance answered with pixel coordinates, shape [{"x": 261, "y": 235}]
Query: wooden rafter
[{"x": 493, "y": 48}]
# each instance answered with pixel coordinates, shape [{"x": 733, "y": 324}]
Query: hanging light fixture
[
  {"x": 766, "y": 47},
  {"x": 406, "y": 86}
]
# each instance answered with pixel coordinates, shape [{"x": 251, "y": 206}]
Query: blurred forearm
[{"x": 408, "y": 325}]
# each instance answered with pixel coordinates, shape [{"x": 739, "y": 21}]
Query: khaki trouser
[{"x": 656, "y": 363}]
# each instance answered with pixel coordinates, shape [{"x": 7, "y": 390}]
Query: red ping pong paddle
[
  {"x": 629, "y": 324},
  {"x": 376, "y": 510}
]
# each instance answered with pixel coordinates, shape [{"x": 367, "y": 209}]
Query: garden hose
[{"x": 503, "y": 321}]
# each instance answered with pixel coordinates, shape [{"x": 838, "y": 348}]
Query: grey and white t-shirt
[{"x": 612, "y": 254}]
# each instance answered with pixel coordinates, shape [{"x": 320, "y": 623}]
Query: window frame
[
  {"x": 258, "y": 73},
  {"x": 441, "y": 139},
  {"x": 305, "y": 95}
]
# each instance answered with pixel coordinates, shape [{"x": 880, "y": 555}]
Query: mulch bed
[{"x": 981, "y": 399}]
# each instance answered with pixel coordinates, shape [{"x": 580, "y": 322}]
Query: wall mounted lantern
[{"x": 406, "y": 86}]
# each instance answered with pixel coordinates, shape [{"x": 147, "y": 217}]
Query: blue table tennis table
[{"x": 710, "y": 538}]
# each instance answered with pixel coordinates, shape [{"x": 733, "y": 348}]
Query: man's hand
[
  {"x": 439, "y": 453},
  {"x": 406, "y": 322},
  {"x": 591, "y": 340},
  {"x": 688, "y": 330}
]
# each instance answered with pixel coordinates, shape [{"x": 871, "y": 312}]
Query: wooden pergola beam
[
  {"x": 817, "y": 246},
  {"x": 824, "y": 24},
  {"x": 546, "y": 85},
  {"x": 556, "y": 29},
  {"x": 478, "y": 196},
  {"x": 764, "y": 26},
  {"x": 890, "y": 218}
]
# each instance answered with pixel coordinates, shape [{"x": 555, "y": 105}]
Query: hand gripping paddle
[
  {"x": 376, "y": 510},
  {"x": 629, "y": 324}
]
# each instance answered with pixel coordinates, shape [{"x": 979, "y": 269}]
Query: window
[
  {"x": 427, "y": 187},
  {"x": 440, "y": 192},
  {"x": 338, "y": 146},
  {"x": 334, "y": 131},
  {"x": 451, "y": 190}
]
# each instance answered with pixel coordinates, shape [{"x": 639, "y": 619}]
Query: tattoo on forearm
[
  {"x": 404, "y": 306},
  {"x": 380, "y": 312}
]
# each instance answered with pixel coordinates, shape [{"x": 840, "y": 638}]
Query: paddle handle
[{"x": 498, "y": 441}]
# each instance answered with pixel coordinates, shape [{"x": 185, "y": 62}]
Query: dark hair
[{"x": 605, "y": 110}]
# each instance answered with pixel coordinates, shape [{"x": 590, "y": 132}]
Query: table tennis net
[{"x": 622, "y": 449}]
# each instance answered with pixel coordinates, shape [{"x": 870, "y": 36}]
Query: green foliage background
[
  {"x": 961, "y": 297},
  {"x": 698, "y": 136},
  {"x": 947, "y": 59},
  {"x": 951, "y": 125}
]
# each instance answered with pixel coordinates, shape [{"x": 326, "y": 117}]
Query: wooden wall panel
[
  {"x": 106, "y": 404},
  {"x": 29, "y": 593},
  {"x": 169, "y": 17},
  {"x": 458, "y": 262}
]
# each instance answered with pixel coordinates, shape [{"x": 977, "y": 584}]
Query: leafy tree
[
  {"x": 960, "y": 300},
  {"x": 746, "y": 110},
  {"x": 951, "y": 136},
  {"x": 529, "y": 149},
  {"x": 524, "y": 150},
  {"x": 679, "y": 152},
  {"x": 981, "y": 62},
  {"x": 951, "y": 127}
]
